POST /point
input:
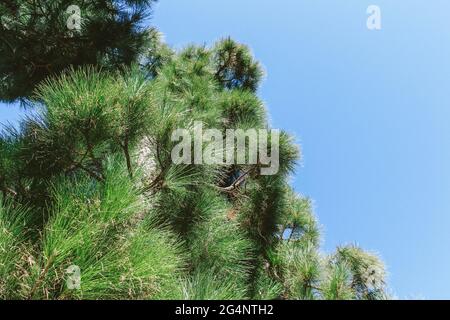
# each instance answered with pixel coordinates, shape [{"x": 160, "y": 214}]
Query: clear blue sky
[{"x": 370, "y": 109}]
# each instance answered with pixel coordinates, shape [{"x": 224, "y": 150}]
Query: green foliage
[
  {"x": 205, "y": 285},
  {"x": 99, "y": 228},
  {"x": 235, "y": 67},
  {"x": 218, "y": 244},
  {"x": 242, "y": 109},
  {"x": 368, "y": 281},
  {"x": 349, "y": 273},
  {"x": 87, "y": 115},
  {"x": 9, "y": 166},
  {"x": 89, "y": 180},
  {"x": 266, "y": 287},
  {"x": 300, "y": 266},
  {"x": 337, "y": 284},
  {"x": 14, "y": 248},
  {"x": 299, "y": 218},
  {"x": 111, "y": 35},
  {"x": 156, "y": 55}
]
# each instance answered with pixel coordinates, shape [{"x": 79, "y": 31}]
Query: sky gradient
[{"x": 369, "y": 108}]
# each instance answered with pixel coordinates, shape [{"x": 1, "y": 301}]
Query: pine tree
[
  {"x": 40, "y": 38},
  {"x": 88, "y": 182}
]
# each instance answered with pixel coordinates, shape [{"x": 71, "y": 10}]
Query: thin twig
[
  {"x": 237, "y": 182},
  {"x": 41, "y": 277}
]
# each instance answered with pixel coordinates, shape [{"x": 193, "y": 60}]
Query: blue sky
[{"x": 370, "y": 109}]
